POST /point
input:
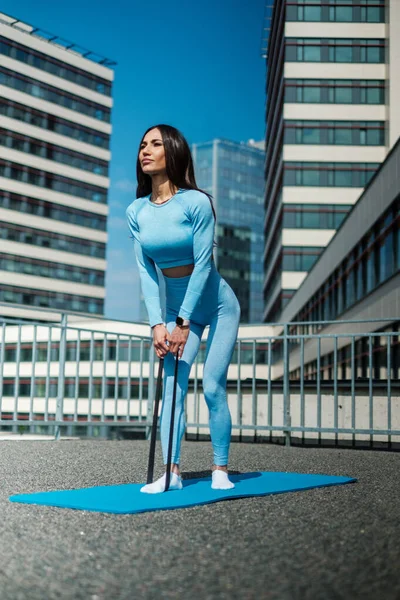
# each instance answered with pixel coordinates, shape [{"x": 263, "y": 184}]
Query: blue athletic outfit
[{"x": 181, "y": 232}]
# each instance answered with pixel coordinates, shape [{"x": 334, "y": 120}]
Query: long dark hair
[{"x": 179, "y": 163}]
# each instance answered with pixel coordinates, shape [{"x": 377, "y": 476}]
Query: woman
[{"x": 172, "y": 223}]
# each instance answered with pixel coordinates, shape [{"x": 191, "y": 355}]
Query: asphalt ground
[{"x": 340, "y": 542}]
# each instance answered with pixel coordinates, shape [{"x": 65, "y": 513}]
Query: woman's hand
[
  {"x": 178, "y": 340},
  {"x": 160, "y": 337}
]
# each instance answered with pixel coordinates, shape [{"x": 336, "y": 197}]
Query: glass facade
[
  {"x": 373, "y": 261},
  {"x": 343, "y": 133},
  {"x": 38, "y": 118},
  {"x": 339, "y": 11},
  {"x": 303, "y": 258},
  {"x": 314, "y": 216},
  {"x": 57, "y": 183},
  {"x": 82, "y": 391},
  {"x": 335, "y": 91},
  {"x": 279, "y": 304},
  {"x": 36, "y": 88},
  {"x": 51, "y": 65},
  {"x": 48, "y": 239},
  {"x": 81, "y": 352},
  {"x": 328, "y": 174},
  {"x": 43, "y": 268},
  {"x": 50, "y": 210},
  {"x": 233, "y": 174},
  {"x": 292, "y": 259},
  {"x": 49, "y": 151},
  {"x": 109, "y": 348},
  {"x": 335, "y": 50},
  {"x": 234, "y": 262},
  {"x": 55, "y": 300},
  {"x": 359, "y": 364}
]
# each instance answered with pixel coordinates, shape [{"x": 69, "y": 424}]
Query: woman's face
[{"x": 152, "y": 153}]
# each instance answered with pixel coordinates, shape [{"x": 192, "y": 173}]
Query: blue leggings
[{"x": 219, "y": 308}]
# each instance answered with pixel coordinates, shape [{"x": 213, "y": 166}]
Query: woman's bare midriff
[{"x": 181, "y": 271}]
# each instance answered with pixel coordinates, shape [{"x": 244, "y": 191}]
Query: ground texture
[{"x": 339, "y": 542}]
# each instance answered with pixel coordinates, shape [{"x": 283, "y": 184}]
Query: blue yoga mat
[{"x": 127, "y": 498}]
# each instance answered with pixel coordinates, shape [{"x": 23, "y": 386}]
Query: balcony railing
[{"x": 325, "y": 381}]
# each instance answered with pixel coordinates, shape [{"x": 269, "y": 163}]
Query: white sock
[
  {"x": 159, "y": 486},
  {"x": 220, "y": 480}
]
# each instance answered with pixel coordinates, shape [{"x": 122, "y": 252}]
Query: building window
[
  {"x": 354, "y": 133},
  {"x": 314, "y": 216},
  {"x": 52, "y": 65},
  {"x": 14, "y": 110},
  {"x": 338, "y": 11},
  {"x": 59, "y": 301},
  {"x": 52, "y": 94},
  {"x": 372, "y": 262},
  {"x": 300, "y": 258},
  {"x": 328, "y": 174},
  {"x": 378, "y": 345},
  {"x": 58, "y": 212},
  {"x": 43, "y": 388},
  {"x": 42, "y": 268},
  {"x": 47, "y": 239},
  {"x": 24, "y": 143},
  {"x": 335, "y": 91},
  {"x": 335, "y": 50},
  {"x": 52, "y": 181}
]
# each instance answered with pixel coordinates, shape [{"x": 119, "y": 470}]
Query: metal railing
[{"x": 63, "y": 375}]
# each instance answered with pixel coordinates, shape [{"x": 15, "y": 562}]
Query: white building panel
[
  {"x": 51, "y": 255},
  {"x": 393, "y": 67},
  {"x": 34, "y": 191},
  {"x": 54, "y": 109},
  {"x": 335, "y": 112},
  {"x": 51, "y": 285},
  {"x": 333, "y": 153},
  {"x": 320, "y": 195},
  {"x": 311, "y": 70},
  {"x": 17, "y": 311},
  {"x": 63, "y": 141},
  {"x": 307, "y": 237},
  {"x": 85, "y": 233},
  {"x": 52, "y": 49},
  {"x": 52, "y": 166},
  {"x": 292, "y": 280},
  {"x": 335, "y": 30},
  {"x": 61, "y": 84}
]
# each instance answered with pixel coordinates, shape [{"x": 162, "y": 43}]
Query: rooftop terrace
[{"x": 328, "y": 543}]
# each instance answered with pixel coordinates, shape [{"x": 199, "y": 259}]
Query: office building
[
  {"x": 332, "y": 117},
  {"x": 233, "y": 174},
  {"x": 357, "y": 278},
  {"x": 55, "y": 109}
]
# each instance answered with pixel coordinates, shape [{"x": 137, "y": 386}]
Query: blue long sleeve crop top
[{"x": 178, "y": 232}]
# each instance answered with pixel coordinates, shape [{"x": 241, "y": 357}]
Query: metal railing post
[
  {"x": 150, "y": 388},
  {"x": 239, "y": 390},
  {"x": 286, "y": 393},
  {"x": 61, "y": 374},
  {"x": 2, "y": 360}
]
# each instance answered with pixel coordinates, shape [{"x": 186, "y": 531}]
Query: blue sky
[{"x": 194, "y": 65}]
